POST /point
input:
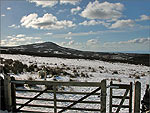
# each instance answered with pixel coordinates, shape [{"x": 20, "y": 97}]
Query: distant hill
[{"x": 49, "y": 49}]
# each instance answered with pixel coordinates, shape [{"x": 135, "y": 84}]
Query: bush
[
  {"x": 101, "y": 67},
  {"x": 93, "y": 70},
  {"x": 137, "y": 77},
  {"x": 82, "y": 74},
  {"x": 90, "y": 68},
  {"x": 115, "y": 72}
]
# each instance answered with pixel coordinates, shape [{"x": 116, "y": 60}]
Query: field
[{"x": 87, "y": 70}]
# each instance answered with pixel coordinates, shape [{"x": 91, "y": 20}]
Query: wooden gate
[
  {"x": 18, "y": 107},
  {"x": 99, "y": 91},
  {"x": 127, "y": 95}
]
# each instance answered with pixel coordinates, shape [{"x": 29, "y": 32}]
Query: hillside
[
  {"x": 49, "y": 49},
  {"x": 78, "y": 70}
]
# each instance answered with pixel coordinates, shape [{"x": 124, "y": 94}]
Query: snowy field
[{"x": 96, "y": 71}]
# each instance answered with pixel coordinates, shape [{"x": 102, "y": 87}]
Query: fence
[
  {"x": 11, "y": 105},
  {"x": 100, "y": 91}
]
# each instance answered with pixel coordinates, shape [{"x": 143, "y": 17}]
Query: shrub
[
  {"x": 93, "y": 70},
  {"x": 130, "y": 76},
  {"x": 82, "y": 74},
  {"x": 115, "y": 72},
  {"x": 68, "y": 68},
  {"x": 101, "y": 67},
  {"x": 87, "y": 76},
  {"x": 90, "y": 68},
  {"x": 142, "y": 75},
  {"x": 74, "y": 71},
  {"x": 137, "y": 77}
]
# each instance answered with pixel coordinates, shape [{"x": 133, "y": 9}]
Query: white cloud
[
  {"x": 75, "y": 10},
  {"x": 39, "y": 41},
  {"x": 138, "y": 44},
  {"x": 8, "y": 43},
  {"x": 20, "y": 35},
  {"x": 92, "y": 42},
  {"x": 123, "y": 24},
  {"x": 44, "y": 3},
  {"x": 19, "y": 39},
  {"x": 32, "y": 38},
  {"x": 94, "y": 22},
  {"x": 73, "y": 2},
  {"x": 137, "y": 41},
  {"x": 71, "y": 42},
  {"x": 51, "y": 3},
  {"x": 143, "y": 18},
  {"x": 49, "y": 34},
  {"x": 68, "y": 38},
  {"x": 28, "y": 20},
  {"x": 103, "y": 10},
  {"x": 3, "y": 42},
  {"x": 14, "y": 26},
  {"x": 24, "y": 39},
  {"x": 8, "y": 8},
  {"x": 63, "y": 43},
  {"x": 70, "y": 34},
  {"x": 3, "y": 15},
  {"x": 61, "y": 11},
  {"x": 133, "y": 41},
  {"x": 48, "y": 21}
]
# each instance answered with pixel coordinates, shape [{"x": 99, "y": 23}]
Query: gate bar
[
  {"x": 32, "y": 99},
  {"x": 79, "y": 100},
  {"x": 121, "y": 103}
]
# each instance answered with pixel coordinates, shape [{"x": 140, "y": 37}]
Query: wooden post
[
  {"x": 13, "y": 95},
  {"x": 110, "y": 98},
  {"x": 2, "y": 106},
  {"x": 137, "y": 97},
  {"x": 7, "y": 92},
  {"x": 103, "y": 96},
  {"x": 130, "y": 99},
  {"x": 55, "y": 99}
]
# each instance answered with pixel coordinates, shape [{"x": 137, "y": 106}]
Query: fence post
[
  {"x": 137, "y": 97},
  {"x": 103, "y": 96},
  {"x": 55, "y": 99},
  {"x": 7, "y": 92},
  {"x": 110, "y": 98},
  {"x": 2, "y": 106},
  {"x": 13, "y": 94},
  {"x": 130, "y": 100}
]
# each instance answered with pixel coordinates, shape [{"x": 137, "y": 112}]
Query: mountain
[{"x": 49, "y": 49}]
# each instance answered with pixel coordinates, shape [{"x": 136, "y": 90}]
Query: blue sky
[{"x": 95, "y": 25}]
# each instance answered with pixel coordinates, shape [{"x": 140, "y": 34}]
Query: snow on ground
[
  {"x": 97, "y": 70},
  {"x": 1, "y": 111}
]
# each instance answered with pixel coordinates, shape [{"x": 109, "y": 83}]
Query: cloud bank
[
  {"x": 103, "y": 10},
  {"x": 48, "y": 21}
]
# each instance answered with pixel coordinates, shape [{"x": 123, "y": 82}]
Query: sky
[{"x": 91, "y": 25}]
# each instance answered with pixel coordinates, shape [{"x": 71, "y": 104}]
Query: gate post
[
  {"x": 137, "y": 97},
  {"x": 103, "y": 96},
  {"x": 110, "y": 98},
  {"x": 130, "y": 100},
  {"x": 13, "y": 95},
  {"x": 7, "y": 92},
  {"x": 55, "y": 99}
]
